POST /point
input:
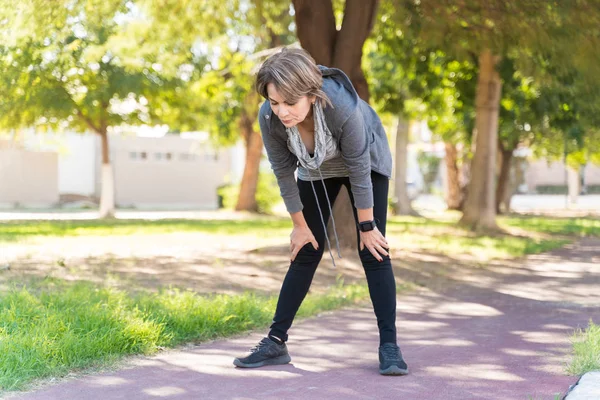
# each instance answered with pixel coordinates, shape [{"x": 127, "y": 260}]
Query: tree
[
  {"x": 451, "y": 116},
  {"x": 520, "y": 115},
  {"x": 412, "y": 79},
  {"x": 392, "y": 60},
  {"x": 569, "y": 130},
  {"x": 483, "y": 31},
  {"x": 269, "y": 21},
  {"x": 219, "y": 98},
  {"x": 90, "y": 67},
  {"x": 189, "y": 65}
]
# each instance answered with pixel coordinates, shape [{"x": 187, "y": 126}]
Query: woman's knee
[
  {"x": 369, "y": 261},
  {"x": 308, "y": 256}
]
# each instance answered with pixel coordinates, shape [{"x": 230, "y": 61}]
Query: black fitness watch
[{"x": 367, "y": 226}]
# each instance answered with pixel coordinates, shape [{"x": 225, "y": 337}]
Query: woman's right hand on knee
[{"x": 300, "y": 236}]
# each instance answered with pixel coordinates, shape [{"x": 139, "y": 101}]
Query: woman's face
[{"x": 289, "y": 114}]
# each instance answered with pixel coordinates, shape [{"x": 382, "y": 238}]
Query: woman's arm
[
  {"x": 298, "y": 220},
  {"x": 372, "y": 240},
  {"x": 355, "y": 146},
  {"x": 355, "y": 149},
  {"x": 283, "y": 162},
  {"x": 365, "y": 214}
]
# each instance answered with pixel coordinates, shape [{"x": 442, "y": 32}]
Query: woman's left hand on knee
[{"x": 375, "y": 242}]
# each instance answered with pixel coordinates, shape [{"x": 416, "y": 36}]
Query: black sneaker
[
  {"x": 390, "y": 360},
  {"x": 266, "y": 352}
]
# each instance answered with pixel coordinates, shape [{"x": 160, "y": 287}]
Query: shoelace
[
  {"x": 259, "y": 346},
  {"x": 391, "y": 353}
]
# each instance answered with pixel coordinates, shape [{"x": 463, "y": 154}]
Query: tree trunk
[
  {"x": 107, "y": 184},
  {"x": 402, "y": 205},
  {"x": 315, "y": 22},
  {"x": 359, "y": 18},
  {"x": 254, "y": 146},
  {"x": 513, "y": 185},
  {"x": 464, "y": 179},
  {"x": 454, "y": 195},
  {"x": 503, "y": 185},
  {"x": 480, "y": 207},
  {"x": 573, "y": 184}
]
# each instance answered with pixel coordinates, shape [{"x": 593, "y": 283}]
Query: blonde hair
[{"x": 294, "y": 74}]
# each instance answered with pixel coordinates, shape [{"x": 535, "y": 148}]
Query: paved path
[{"x": 502, "y": 333}]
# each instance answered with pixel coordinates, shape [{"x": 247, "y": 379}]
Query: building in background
[
  {"x": 27, "y": 178},
  {"x": 158, "y": 171},
  {"x": 166, "y": 172}
]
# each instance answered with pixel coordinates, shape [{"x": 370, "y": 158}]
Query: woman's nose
[{"x": 283, "y": 111}]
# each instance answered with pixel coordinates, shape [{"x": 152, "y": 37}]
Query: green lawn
[
  {"x": 579, "y": 227},
  {"x": 54, "y": 327},
  {"x": 586, "y": 350},
  {"x": 535, "y": 234},
  {"x": 445, "y": 236},
  {"x": 19, "y": 231}
]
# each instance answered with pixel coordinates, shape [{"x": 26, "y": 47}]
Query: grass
[
  {"x": 557, "y": 396},
  {"x": 586, "y": 350},
  {"x": 53, "y": 327},
  {"x": 536, "y": 234},
  {"x": 580, "y": 227},
  {"x": 448, "y": 238},
  {"x": 15, "y": 231}
]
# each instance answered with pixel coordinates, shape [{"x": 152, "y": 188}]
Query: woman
[{"x": 314, "y": 122}]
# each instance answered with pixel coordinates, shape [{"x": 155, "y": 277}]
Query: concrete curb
[{"x": 587, "y": 388}]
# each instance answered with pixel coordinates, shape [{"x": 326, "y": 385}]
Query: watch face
[{"x": 366, "y": 226}]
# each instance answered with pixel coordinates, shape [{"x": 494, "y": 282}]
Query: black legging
[{"x": 380, "y": 277}]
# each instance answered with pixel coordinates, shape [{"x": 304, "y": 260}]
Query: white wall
[
  {"x": 28, "y": 178},
  {"x": 540, "y": 172},
  {"x": 77, "y": 164},
  {"x": 170, "y": 171},
  {"x": 238, "y": 161},
  {"x": 76, "y": 158}
]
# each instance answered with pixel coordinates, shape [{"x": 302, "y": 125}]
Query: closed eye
[{"x": 274, "y": 103}]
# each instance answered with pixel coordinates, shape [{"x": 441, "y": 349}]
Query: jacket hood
[
  {"x": 339, "y": 76},
  {"x": 340, "y": 91}
]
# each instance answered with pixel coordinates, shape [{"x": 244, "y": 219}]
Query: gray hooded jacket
[{"x": 356, "y": 127}]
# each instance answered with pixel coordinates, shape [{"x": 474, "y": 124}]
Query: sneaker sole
[
  {"x": 393, "y": 370},
  {"x": 271, "y": 361}
]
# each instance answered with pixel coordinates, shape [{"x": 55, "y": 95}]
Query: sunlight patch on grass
[
  {"x": 18, "y": 231},
  {"x": 448, "y": 238},
  {"x": 581, "y": 227}
]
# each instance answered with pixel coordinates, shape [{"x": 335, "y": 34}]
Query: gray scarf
[{"x": 325, "y": 145}]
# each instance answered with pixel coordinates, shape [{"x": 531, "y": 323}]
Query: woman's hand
[
  {"x": 299, "y": 237},
  {"x": 375, "y": 242}
]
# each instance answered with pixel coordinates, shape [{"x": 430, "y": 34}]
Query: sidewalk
[{"x": 502, "y": 334}]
